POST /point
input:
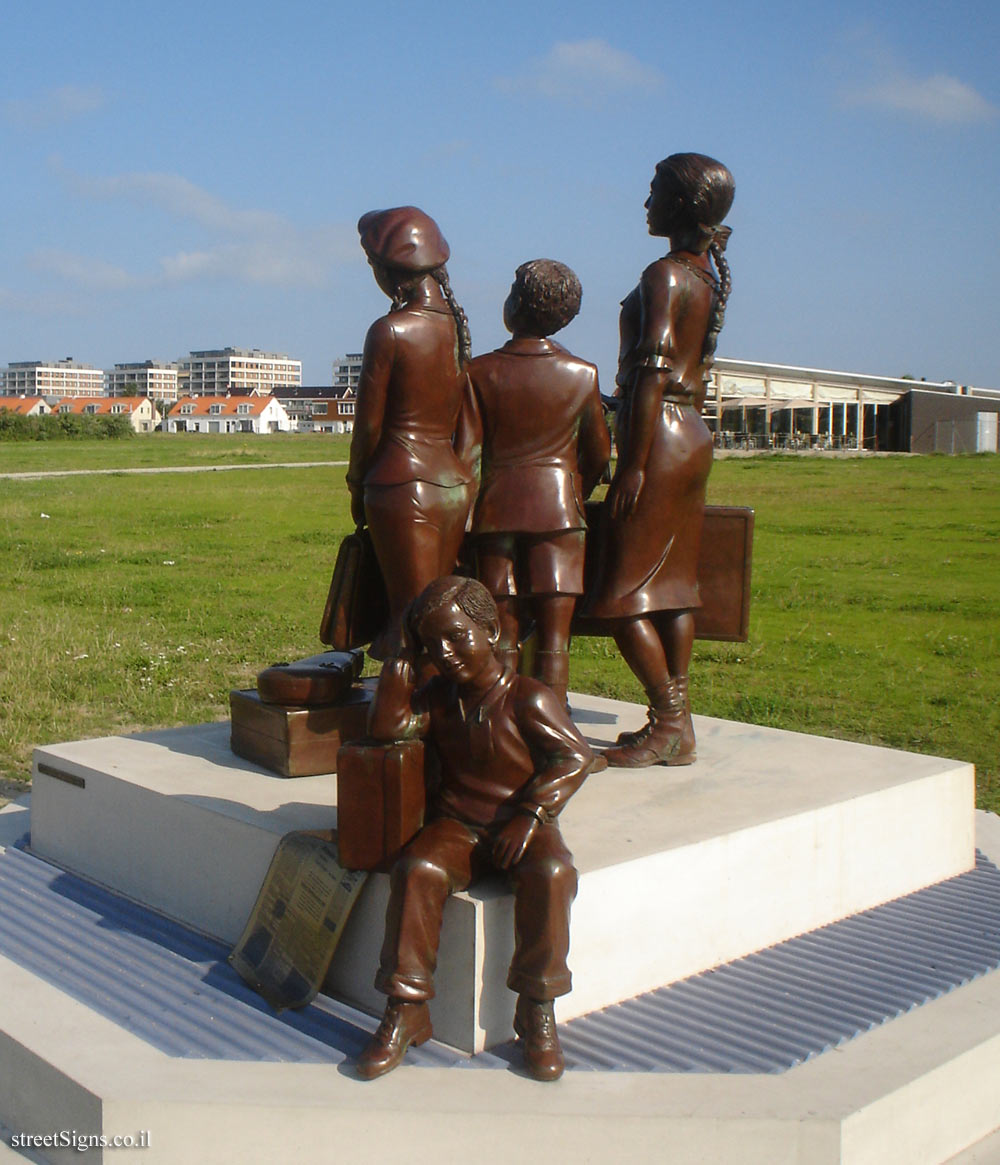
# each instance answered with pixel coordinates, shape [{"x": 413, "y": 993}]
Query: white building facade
[
  {"x": 55, "y": 378},
  {"x": 238, "y": 370},
  {"x": 228, "y": 414}
]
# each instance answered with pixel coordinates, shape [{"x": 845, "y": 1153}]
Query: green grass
[
  {"x": 166, "y": 449},
  {"x": 140, "y": 601}
]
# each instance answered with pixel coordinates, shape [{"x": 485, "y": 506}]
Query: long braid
[
  {"x": 718, "y": 316},
  {"x": 440, "y": 275}
]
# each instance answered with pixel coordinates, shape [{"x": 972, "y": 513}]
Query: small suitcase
[
  {"x": 380, "y": 801},
  {"x": 357, "y": 606},
  {"x": 297, "y": 742},
  {"x": 312, "y": 682}
]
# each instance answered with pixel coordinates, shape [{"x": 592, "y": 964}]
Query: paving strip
[{"x": 27, "y": 475}]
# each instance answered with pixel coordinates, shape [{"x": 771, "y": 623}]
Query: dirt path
[{"x": 28, "y": 474}]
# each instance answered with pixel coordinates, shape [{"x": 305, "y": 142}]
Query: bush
[{"x": 61, "y": 426}]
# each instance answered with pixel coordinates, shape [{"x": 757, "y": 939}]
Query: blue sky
[{"x": 189, "y": 176}]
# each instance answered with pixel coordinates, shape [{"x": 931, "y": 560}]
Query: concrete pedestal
[{"x": 770, "y": 834}]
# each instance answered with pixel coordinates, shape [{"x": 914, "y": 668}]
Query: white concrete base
[
  {"x": 770, "y": 834},
  {"x": 916, "y": 1091}
]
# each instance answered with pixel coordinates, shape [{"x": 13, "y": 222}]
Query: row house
[
  {"x": 319, "y": 408},
  {"x": 25, "y": 406},
  {"x": 140, "y": 410},
  {"x": 228, "y": 414}
]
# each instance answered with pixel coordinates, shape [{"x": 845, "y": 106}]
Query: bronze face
[
  {"x": 511, "y": 307},
  {"x": 460, "y": 648},
  {"x": 662, "y": 206}
]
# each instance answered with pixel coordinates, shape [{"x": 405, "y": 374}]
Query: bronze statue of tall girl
[
  {"x": 405, "y": 478},
  {"x": 647, "y": 586}
]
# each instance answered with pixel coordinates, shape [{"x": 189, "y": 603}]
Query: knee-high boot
[
  {"x": 662, "y": 741},
  {"x": 687, "y": 753}
]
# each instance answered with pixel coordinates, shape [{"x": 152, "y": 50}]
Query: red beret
[{"x": 403, "y": 237}]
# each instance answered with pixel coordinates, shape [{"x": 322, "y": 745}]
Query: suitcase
[
  {"x": 297, "y": 742},
  {"x": 380, "y": 801},
  {"x": 724, "y": 562},
  {"x": 313, "y": 682},
  {"x": 357, "y": 606}
]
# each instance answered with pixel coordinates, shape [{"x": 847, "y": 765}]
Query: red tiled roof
[
  {"x": 228, "y": 406},
  {"x": 101, "y": 405},
  {"x": 20, "y": 404}
]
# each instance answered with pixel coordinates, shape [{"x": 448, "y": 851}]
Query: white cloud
[
  {"x": 93, "y": 273},
  {"x": 939, "y": 98},
  {"x": 873, "y": 76},
  {"x": 56, "y": 107},
  {"x": 285, "y": 258},
  {"x": 45, "y": 304},
  {"x": 583, "y": 72},
  {"x": 245, "y": 245},
  {"x": 177, "y": 196}
]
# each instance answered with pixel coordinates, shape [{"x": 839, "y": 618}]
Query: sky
[{"x": 189, "y": 175}]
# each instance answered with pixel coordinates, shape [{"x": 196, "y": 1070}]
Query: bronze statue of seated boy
[{"x": 510, "y": 758}]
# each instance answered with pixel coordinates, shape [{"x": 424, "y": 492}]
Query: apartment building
[
  {"x": 152, "y": 379},
  {"x": 52, "y": 378},
  {"x": 243, "y": 371},
  {"x": 347, "y": 371}
]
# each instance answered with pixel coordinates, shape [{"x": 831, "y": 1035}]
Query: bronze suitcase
[
  {"x": 297, "y": 742},
  {"x": 724, "y": 562},
  {"x": 357, "y": 606},
  {"x": 310, "y": 683},
  {"x": 380, "y": 801}
]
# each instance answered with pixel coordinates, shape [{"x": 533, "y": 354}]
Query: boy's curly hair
[
  {"x": 468, "y": 594},
  {"x": 549, "y": 294}
]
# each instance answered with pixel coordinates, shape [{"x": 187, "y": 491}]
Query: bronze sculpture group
[{"x": 527, "y": 421}]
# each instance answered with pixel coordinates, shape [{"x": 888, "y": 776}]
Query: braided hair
[
  {"x": 405, "y": 283},
  {"x": 440, "y": 276},
  {"x": 718, "y": 314}
]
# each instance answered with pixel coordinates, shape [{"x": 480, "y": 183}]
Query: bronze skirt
[{"x": 648, "y": 561}]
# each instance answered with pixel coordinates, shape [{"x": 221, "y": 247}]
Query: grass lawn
[
  {"x": 148, "y": 450},
  {"x": 140, "y": 601}
]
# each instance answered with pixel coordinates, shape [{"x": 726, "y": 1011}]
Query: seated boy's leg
[
  {"x": 438, "y": 862},
  {"x": 544, "y": 883}
]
